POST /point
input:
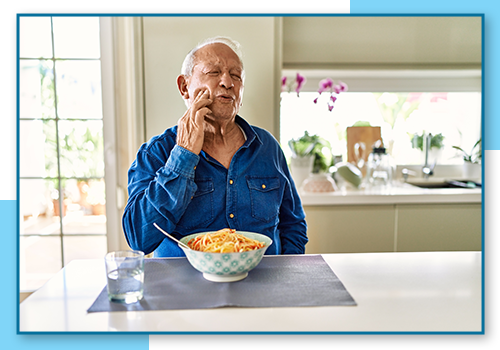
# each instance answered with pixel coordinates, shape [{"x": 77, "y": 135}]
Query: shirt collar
[{"x": 248, "y": 130}]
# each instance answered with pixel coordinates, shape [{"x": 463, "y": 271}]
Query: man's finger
[{"x": 200, "y": 115}]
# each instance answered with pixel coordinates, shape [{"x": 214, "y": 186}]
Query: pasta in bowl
[{"x": 225, "y": 255}]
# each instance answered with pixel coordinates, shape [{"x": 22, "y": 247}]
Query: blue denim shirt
[{"x": 186, "y": 193}]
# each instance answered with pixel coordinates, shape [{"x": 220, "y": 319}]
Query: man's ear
[{"x": 182, "y": 86}]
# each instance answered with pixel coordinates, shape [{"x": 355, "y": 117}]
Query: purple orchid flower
[
  {"x": 331, "y": 102},
  {"x": 343, "y": 86},
  {"x": 325, "y": 84},
  {"x": 301, "y": 80}
]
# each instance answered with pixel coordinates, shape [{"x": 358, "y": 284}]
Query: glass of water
[{"x": 125, "y": 272}]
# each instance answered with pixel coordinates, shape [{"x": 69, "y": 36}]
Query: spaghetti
[{"x": 224, "y": 241}]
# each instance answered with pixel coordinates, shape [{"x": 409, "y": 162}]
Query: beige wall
[
  {"x": 270, "y": 44},
  {"x": 408, "y": 42},
  {"x": 167, "y": 40}
]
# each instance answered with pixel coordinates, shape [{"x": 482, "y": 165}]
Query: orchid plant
[
  {"x": 325, "y": 85},
  {"x": 299, "y": 82}
]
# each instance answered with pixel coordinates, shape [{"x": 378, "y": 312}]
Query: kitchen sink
[
  {"x": 444, "y": 184},
  {"x": 435, "y": 184}
]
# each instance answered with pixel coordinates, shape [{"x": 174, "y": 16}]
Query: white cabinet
[
  {"x": 350, "y": 229},
  {"x": 390, "y": 228},
  {"x": 438, "y": 227}
]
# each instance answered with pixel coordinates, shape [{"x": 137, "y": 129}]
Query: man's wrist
[{"x": 182, "y": 161}]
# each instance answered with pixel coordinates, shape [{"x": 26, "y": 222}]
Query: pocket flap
[
  {"x": 204, "y": 186},
  {"x": 263, "y": 184}
]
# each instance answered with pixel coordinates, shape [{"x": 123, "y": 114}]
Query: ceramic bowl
[{"x": 226, "y": 267}]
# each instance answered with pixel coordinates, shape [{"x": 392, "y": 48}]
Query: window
[
  {"x": 61, "y": 158},
  {"x": 454, "y": 115}
]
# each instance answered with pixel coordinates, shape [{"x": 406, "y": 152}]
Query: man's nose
[{"x": 226, "y": 80}]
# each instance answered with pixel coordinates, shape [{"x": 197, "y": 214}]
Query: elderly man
[{"x": 213, "y": 170}]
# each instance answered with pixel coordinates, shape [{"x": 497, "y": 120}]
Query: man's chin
[{"x": 223, "y": 113}]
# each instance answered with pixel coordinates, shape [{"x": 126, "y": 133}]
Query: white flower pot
[
  {"x": 471, "y": 171},
  {"x": 301, "y": 167}
]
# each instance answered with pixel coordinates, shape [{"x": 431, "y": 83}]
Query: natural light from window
[
  {"x": 61, "y": 156},
  {"x": 454, "y": 115}
]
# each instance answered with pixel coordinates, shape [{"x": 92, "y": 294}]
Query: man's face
[{"x": 217, "y": 69}]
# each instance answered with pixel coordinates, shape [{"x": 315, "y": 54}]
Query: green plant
[
  {"x": 361, "y": 123},
  {"x": 436, "y": 141},
  {"x": 316, "y": 146},
  {"x": 474, "y": 156}
]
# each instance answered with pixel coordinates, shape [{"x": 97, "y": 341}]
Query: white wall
[{"x": 167, "y": 40}]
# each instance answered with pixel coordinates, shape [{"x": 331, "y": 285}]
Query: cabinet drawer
[
  {"x": 440, "y": 227},
  {"x": 350, "y": 229}
]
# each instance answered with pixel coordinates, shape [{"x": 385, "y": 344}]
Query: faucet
[
  {"x": 407, "y": 172},
  {"x": 427, "y": 169}
]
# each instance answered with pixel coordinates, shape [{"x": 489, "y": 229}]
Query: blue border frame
[{"x": 370, "y": 10}]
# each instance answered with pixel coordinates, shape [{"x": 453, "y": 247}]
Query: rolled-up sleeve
[{"x": 159, "y": 192}]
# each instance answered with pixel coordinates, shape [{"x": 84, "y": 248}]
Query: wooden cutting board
[{"x": 366, "y": 135}]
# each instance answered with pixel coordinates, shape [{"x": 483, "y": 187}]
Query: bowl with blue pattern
[{"x": 226, "y": 267}]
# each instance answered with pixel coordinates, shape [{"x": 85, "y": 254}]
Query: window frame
[
  {"x": 392, "y": 80},
  {"x": 56, "y": 119}
]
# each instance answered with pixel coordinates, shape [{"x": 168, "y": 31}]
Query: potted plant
[
  {"x": 313, "y": 146},
  {"x": 436, "y": 141},
  {"x": 472, "y": 161},
  {"x": 436, "y": 144},
  {"x": 311, "y": 154}
]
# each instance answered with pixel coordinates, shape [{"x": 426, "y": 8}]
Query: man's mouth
[{"x": 225, "y": 98}]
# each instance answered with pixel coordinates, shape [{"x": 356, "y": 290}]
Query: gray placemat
[{"x": 278, "y": 281}]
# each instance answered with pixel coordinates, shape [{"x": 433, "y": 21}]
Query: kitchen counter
[
  {"x": 395, "y": 292},
  {"x": 400, "y": 193}
]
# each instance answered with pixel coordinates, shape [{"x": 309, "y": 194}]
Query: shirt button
[
  {"x": 263, "y": 186},
  {"x": 230, "y": 182},
  {"x": 231, "y": 216},
  {"x": 194, "y": 167}
]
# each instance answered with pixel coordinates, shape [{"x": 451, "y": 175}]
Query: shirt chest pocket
[
  {"x": 265, "y": 199},
  {"x": 200, "y": 210}
]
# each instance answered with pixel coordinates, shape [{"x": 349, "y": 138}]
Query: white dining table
[{"x": 429, "y": 292}]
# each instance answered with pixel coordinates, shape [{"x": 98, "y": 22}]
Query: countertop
[
  {"x": 398, "y": 193},
  {"x": 395, "y": 292}
]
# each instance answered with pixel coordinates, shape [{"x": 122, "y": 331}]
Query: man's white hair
[{"x": 189, "y": 61}]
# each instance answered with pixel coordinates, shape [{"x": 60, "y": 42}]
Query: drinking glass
[{"x": 125, "y": 273}]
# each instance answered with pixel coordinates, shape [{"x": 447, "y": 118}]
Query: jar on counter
[{"x": 380, "y": 168}]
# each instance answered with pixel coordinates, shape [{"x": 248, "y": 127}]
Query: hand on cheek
[{"x": 190, "y": 132}]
